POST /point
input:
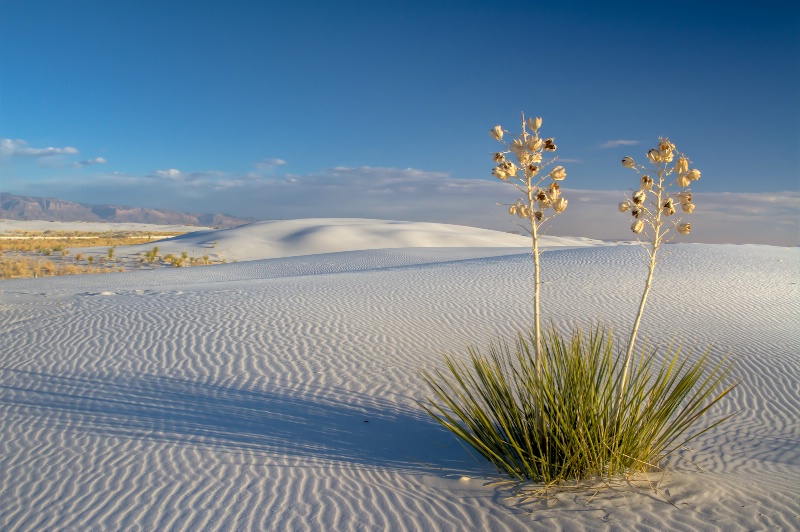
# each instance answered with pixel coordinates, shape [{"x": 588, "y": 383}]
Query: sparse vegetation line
[{"x": 45, "y": 253}]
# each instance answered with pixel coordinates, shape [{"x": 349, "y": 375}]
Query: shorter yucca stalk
[
  {"x": 559, "y": 421},
  {"x": 652, "y": 206}
]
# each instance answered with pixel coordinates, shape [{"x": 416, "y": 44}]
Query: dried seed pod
[
  {"x": 668, "y": 209},
  {"x": 558, "y": 173},
  {"x": 509, "y": 168},
  {"x": 499, "y": 173},
  {"x": 534, "y": 143},
  {"x": 496, "y": 132},
  {"x": 666, "y": 150},
  {"x": 553, "y": 191},
  {"x": 535, "y": 123},
  {"x": 682, "y": 166},
  {"x": 531, "y": 170}
]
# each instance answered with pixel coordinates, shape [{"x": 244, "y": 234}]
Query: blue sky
[{"x": 263, "y": 108}]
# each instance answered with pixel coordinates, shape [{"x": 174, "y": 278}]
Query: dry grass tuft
[{"x": 24, "y": 267}]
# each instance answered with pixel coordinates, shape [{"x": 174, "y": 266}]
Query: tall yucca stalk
[
  {"x": 537, "y": 201},
  {"x": 652, "y": 205}
]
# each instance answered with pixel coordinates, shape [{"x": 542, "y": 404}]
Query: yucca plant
[
  {"x": 553, "y": 410},
  {"x": 561, "y": 423}
]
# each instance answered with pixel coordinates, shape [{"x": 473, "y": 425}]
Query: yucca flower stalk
[
  {"x": 652, "y": 207},
  {"x": 539, "y": 202}
]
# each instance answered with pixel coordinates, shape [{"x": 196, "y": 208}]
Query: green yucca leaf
[{"x": 557, "y": 418}]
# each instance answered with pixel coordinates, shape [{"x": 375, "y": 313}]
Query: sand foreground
[{"x": 279, "y": 394}]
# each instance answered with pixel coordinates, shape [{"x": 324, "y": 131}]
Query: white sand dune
[
  {"x": 280, "y": 394},
  {"x": 291, "y": 238}
]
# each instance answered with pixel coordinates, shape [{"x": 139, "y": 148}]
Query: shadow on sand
[{"x": 304, "y": 423}]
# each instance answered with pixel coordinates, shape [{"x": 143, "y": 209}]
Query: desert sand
[
  {"x": 313, "y": 236},
  {"x": 280, "y": 392}
]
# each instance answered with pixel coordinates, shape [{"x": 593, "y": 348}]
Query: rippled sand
[{"x": 279, "y": 394}]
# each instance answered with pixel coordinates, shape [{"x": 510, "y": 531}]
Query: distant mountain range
[{"x": 14, "y": 207}]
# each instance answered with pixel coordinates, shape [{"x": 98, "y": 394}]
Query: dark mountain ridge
[{"x": 13, "y": 207}]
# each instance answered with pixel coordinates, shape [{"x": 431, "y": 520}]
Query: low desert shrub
[
  {"x": 11, "y": 269},
  {"x": 23, "y": 267},
  {"x": 176, "y": 261},
  {"x": 70, "y": 269},
  {"x": 151, "y": 255}
]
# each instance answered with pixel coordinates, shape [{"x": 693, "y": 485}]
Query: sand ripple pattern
[{"x": 280, "y": 394}]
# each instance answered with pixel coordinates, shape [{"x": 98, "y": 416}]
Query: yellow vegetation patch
[
  {"x": 22, "y": 267},
  {"x": 47, "y": 253},
  {"x": 58, "y": 240}
]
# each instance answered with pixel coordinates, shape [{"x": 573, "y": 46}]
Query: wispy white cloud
[
  {"x": 20, "y": 148},
  {"x": 189, "y": 178},
  {"x": 89, "y": 162},
  {"x": 172, "y": 174},
  {"x": 267, "y": 164},
  {"x": 618, "y": 143}
]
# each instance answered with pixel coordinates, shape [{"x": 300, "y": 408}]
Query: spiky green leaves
[{"x": 559, "y": 422}]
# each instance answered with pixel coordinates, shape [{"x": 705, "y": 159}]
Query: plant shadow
[{"x": 302, "y": 423}]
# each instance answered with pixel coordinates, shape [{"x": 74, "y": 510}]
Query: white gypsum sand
[
  {"x": 279, "y": 394},
  {"x": 290, "y": 238}
]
